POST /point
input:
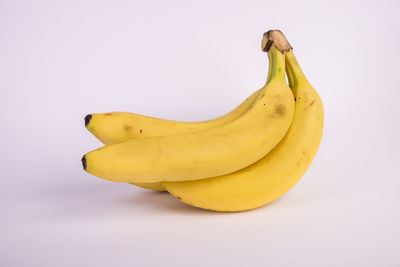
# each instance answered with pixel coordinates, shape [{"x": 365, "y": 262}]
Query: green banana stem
[
  {"x": 270, "y": 65},
  {"x": 289, "y": 75},
  {"x": 275, "y": 43},
  {"x": 278, "y": 67},
  {"x": 294, "y": 70}
]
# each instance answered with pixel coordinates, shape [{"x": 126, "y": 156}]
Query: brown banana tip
[
  {"x": 84, "y": 162},
  {"x": 87, "y": 119},
  {"x": 276, "y": 38}
]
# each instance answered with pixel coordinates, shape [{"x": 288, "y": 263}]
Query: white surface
[{"x": 60, "y": 60}]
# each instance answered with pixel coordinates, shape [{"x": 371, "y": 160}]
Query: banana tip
[
  {"x": 87, "y": 119},
  {"x": 84, "y": 162}
]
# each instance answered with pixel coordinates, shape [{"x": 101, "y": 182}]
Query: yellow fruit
[{"x": 117, "y": 127}]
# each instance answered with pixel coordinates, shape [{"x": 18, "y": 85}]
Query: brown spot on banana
[
  {"x": 127, "y": 128},
  {"x": 280, "y": 109}
]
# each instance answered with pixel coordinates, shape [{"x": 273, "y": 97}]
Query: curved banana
[
  {"x": 209, "y": 153},
  {"x": 117, "y": 127},
  {"x": 276, "y": 173}
]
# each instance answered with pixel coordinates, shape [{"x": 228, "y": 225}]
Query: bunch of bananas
[{"x": 239, "y": 161}]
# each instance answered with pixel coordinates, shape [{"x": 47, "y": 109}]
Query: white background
[{"x": 187, "y": 60}]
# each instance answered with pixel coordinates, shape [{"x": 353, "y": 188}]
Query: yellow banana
[
  {"x": 276, "y": 173},
  {"x": 117, "y": 127},
  {"x": 209, "y": 153}
]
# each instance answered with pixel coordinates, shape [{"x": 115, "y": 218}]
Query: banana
[
  {"x": 276, "y": 173},
  {"x": 117, "y": 127},
  {"x": 209, "y": 153}
]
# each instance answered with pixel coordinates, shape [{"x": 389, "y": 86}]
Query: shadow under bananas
[
  {"x": 91, "y": 200},
  {"x": 161, "y": 202},
  {"x": 60, "y": 202}
]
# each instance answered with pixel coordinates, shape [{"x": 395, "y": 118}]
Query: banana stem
[
  {"x": 275, "y": 43},
  {"x": 290, "y": 77},
  {"x": 278, "y": 67},
  {"x": 293, "y": 69},
  {"x": 270, "y": 66}
]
